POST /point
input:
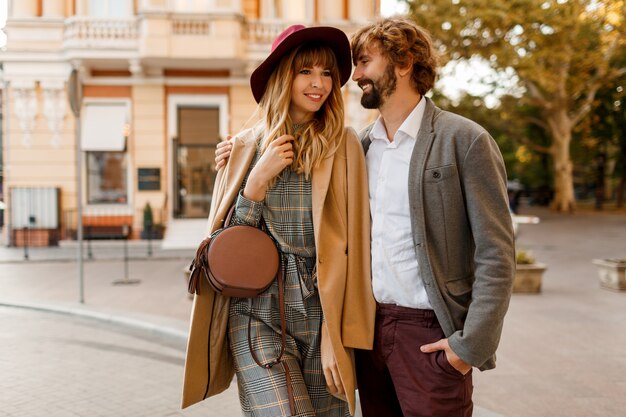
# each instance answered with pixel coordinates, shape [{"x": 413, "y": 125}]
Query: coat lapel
[
  {"x": 320, "y": 179},
  {"x": 235, "y": 172}
]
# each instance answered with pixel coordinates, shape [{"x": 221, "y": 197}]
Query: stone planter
[
  {"x": 155, "y": 232},
  {"x": 528, "y": 278},
  {"x": 612, "y": 273}
]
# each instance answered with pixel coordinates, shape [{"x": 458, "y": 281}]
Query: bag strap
[
  {"x": 231, "y": 213},
  {"x": 283, "y": 341}
]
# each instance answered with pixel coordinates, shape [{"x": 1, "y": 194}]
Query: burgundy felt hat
[{"x": 294, "y": 36}]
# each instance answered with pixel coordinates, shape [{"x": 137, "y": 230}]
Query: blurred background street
[{"x": 110, "y": 113}]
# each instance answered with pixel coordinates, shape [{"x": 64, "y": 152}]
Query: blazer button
[
  {"x": 436, "y": 174},
  {"x": 320, "y": 260}
]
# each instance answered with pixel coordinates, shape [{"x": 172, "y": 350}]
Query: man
[{"x": 442, "y": 239}]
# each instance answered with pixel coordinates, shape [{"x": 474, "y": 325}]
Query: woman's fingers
[
  {"x": 222, "y": 153},
  {"x": 281, "y": 140},
  {"x": 329, "y": 365},
  {"x": 330, "y": 380},
  {"x": 340, "y": 389}
]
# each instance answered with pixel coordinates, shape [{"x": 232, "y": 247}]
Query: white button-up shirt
[{"x": 396, "y": 276}]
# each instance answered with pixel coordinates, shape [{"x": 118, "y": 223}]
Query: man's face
[{"x": 375, "y": 75}]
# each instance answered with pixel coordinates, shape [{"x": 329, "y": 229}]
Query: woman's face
[{"x": 310, "y": 88}]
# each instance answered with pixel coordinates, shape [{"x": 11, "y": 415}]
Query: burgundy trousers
[{"x": 396, "y": 379}]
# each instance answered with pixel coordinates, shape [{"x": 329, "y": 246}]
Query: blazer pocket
[
  {"x": 438, "y": 174},
  {"x": 458, "y": 299},
  {"x": 459, "y": 287}
]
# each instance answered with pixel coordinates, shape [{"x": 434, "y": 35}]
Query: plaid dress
[{"x": 287, "y": 213}]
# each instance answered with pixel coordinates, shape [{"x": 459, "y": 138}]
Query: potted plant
[
  {"x": 612, "y": 273},
  {"x": 528, "y": 273},
  {"x": 150, "y": 229}
]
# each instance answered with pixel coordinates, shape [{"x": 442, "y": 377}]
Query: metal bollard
[{"x": 126, "y": 280}]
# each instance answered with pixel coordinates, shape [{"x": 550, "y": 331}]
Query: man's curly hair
[{"x": 401, "y": 41}]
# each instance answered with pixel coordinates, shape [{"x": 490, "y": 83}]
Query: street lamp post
[{"x": 75, "y": 93}]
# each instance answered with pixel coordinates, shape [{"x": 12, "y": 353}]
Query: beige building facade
[{"x": 163, "y": 81}]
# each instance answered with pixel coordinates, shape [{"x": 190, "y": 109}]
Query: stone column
[
  {"x": 330, "y": 10},
  {"x": 360, "y": 10},
  {"x": 53, "y": 8},
  {"x": 293, "y": 10},
  {"x": 24, "y": 8}
]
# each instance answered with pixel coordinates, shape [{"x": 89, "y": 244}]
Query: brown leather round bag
[
  {"x": 243, "y": 261},
  {"x": 237, "y": 261}
]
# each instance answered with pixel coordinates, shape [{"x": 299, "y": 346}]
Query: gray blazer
[{"x": 462, "y": 230}]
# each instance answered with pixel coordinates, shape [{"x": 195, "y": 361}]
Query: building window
[
  {"x": 104, "y": 130},
  {"x": 111, "y": 8},
  {"x": 107, "y": 178}
]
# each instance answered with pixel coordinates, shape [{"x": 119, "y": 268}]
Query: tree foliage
[
  {"x": 512, "y": 132},
  {"x": 563, "y": 52},
  {"x": 603, "y": 139}
]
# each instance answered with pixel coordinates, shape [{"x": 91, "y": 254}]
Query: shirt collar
[{"x": 410, "y": 127}]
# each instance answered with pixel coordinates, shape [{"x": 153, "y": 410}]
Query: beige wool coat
[{"x": 341, "y": 223}]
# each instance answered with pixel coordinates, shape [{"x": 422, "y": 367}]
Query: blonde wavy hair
[{"x": 317, "y": 138}]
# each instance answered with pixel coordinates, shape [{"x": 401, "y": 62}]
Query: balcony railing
[
  {"x": 191, "y": 25},
  {"x": 89, "y": 32},
  {"x": 86, "y": 35},
  {"x": 263, "y": 32}
]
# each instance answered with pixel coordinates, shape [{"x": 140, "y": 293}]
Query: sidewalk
[
  {"x": 92, "y": 250},
  {"x": 562, "y": 352}
]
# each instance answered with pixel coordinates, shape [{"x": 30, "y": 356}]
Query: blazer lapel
[
  {"x": 364, "y": 137},
  {"x": 417, "y": 165},
  {"x": 425, "y": 136}
]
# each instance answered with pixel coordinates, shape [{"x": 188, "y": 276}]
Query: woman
[{"x": 302, "y": 173}]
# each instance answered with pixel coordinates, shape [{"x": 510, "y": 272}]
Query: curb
[{"x": 105, "y": 317}]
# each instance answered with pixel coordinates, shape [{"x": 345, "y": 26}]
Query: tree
[
  {"x": 562, "y": 51},
  {"x": 508, "y": 125},
  {"x": 605, "y": 128}
]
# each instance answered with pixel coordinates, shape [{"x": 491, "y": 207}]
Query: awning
[{"x": 103, "y": 127}]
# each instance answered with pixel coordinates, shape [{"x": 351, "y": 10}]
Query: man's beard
[{"x": 380, "y": 89}]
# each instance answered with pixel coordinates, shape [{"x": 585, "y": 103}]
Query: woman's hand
[
  {"x": 330, "y": 368},
  {"x": 222, "y": 153},
  {"x": 277, "y": 156}
]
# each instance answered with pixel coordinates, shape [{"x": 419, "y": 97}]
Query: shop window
[{"x": 107, "y": 178}]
